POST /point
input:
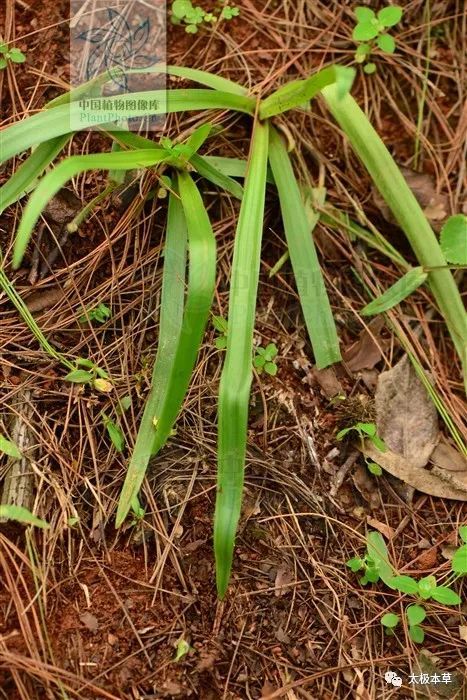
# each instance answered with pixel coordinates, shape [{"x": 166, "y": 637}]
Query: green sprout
[
  {"x": 12, "y": 54},
  {"x": 264, "y": 359},
  {"x": 192, "y": 16},
  {"x": 370, "y": 30},
  {"x": 101, "y": 313},
  {"x": 220, "y": 324},
  {"x": 366, "y": 431},
  {"x": 375, "y": 567}
]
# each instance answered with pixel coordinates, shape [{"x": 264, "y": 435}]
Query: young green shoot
[{"x": 370, "y": 33}]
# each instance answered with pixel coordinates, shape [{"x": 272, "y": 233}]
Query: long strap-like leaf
[
  {"x": 394, "y": 189},
  {"x": 234, "y": 392},
  {"x": 176, "y": 379},
  {"x": 51, "y": 183},
  {"x": 307, "y": 271},
  {"x": 170, "y": 324},
  {"x": 59, "y": 120}
]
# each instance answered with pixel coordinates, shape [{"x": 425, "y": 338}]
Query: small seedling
[
  {"x": 100, "y": 313},
  {"x": 9, "y": 448},
  {"x": 10, "y": 54},
  {"x": 114, "y": 432},
  {"x": 91, "y": 374},
  {"x": 264, "y": 359},
  {"x": 370, "y": 32},
  {"x": 220, "y": 324},
  {"x": 192, "y": 16},
  {"x": 375, "y": 564},
  {"x": 367, "y": 430},
  {"x": 182, "y": 650}
]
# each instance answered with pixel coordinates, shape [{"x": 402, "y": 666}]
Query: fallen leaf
[
  {"x": 90, "y": 621},
  {"x": 365, "y": 485},
  {"x": 63, "y": 207},
  {"x": 447, "y": 457},
  {"x": 435, "y": 205},
  {"x": 366, "y": 352},
  {"x": 463, "y": 632},
  {"x": 284, "y": 577},
  {"x": 434, "y": 482},
  {"x": 406, "y": 417},
  {"x": 328, "y": 381},
  {"x": 384, "y": 529},
  {"x": 267, "y": 690}
]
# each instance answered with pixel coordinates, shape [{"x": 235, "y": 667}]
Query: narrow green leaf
[
  {"x": 390, "y": 620},
  {"x": 394, "y": 189},
  {"x": 307, "y": 272},
  {"x": 170, "y": 324},
  {"x": 446, "y": 596},
  {"x": 463, "y": 533},
  {"x": 454, "y": 239},
  {"x": 177, "y": 366},
  {"x": 374, "y": 468},
  {"x": 115, "y": 435},
  {"x": 21, "y": 515},
  {"x": 415, "y": 614},
  {"x": 214, "y": 175},
  {"x": 404, "y": 584},
  {"x": 24, "y": 176},
  {"x": 399, "y": 291},
  {"x": 9, "y": 448},
  {"x": 298, "y": 92},
  {"x": 378, "y": 552},
  {"x": 234, "y": 392},
  {"x": 60, "y": 120},
  {"x": 51, "y": 183}
]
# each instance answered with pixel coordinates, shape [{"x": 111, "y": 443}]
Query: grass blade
[
  {"x": 21, "y": 515},
  {"x": 308, "y": 277},
  {"x": 176, "y": 378},
  {"x": 57, "y": 121},
  {"x": 397, "y": 292},
  {"x": 170, "y": 324},
  {"x": 234, "y": 392},
  {"x": 400, "y": 199},
  {"x": 211, "y": 173},
  {"x": 298, "y": 92},
  {"x": 20, "y": 182},
  {"x": 54, "y": 181}
]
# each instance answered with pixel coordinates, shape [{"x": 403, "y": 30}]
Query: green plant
[
  {"x": 453, "y": 239},
  {"x": 370, "y": 32},
  {"x": 9, "y": 448},
  {"x": 21, "y": 515},
  {"x": 375, "y": 566},
  {"x": 10, "y": 54},
  {"x": 366, "y": 431},
  {"x": 264, "y": 359},
  {"x": 91, "y": 374},
  {"x": 184, "y": 12},
  {"x": 186, "y": 299},
  {"x": 220, "y": 324},
  {"x": 100, "y": 313}
]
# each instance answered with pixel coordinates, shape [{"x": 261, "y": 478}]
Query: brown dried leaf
[
  {"x": 63, "y": 207},
  {"x": 435, "y": 205},
  {"x": 435, "y": 482},
  {"x": 365, "y": 353},
  {"x": 328, "y": 381},
  {"x": 90, "y": 621},
  {"x": 445, "y": 456},
  {"x": 383, "y": 528},
  {"x": 284, "y": 577},
  {"x": 405, "y": 415}
]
